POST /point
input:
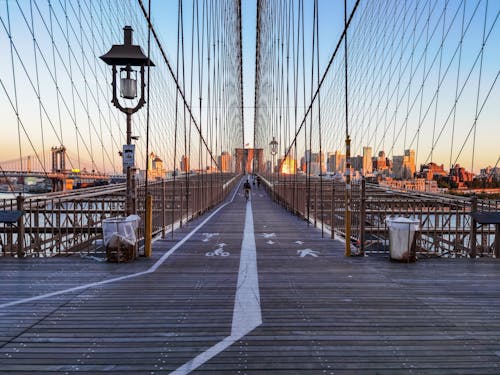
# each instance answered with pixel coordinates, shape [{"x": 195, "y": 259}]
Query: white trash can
[
  {"x": 402, "y": 239},
  {"x": 120, "y": 238}
]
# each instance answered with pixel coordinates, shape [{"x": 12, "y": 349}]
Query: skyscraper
[
  {"x": 339, "y": 162},
  {"x": 225, "y": 162},
  {"x": 367, "y": 160},
  {"x": 404, "y": 165},
  {"x": 185, "y": 164}
]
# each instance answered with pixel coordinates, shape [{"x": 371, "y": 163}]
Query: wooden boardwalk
[{"x": 301, "y": 308}]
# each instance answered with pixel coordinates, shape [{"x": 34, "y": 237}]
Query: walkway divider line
[
  {"x": 247, "y": 314},
  {"x": 153, "y": 268}
]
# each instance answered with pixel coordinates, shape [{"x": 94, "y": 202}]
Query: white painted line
[
  {"x": 153, "y": 268},
  {"x": 205, "y": 356},
  {"x": 247, "y": 313},
  {"x": 74, "y": 289}
]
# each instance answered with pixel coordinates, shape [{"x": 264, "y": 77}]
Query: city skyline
[{"x": 55, "y": 90}]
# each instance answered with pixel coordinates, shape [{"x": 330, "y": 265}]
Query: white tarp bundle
[
  {"x": 401, "y": 233},
  {"x": 120, "y": 230}
]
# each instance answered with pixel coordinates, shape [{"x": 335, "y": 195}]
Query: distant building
[
  {"x": 460, "y": 176},
  {"x": 317, "y": 163},
  {"x": 250, "y": 160},
  {"x": 489, "y": 174},
  {"x": 367, "y": 166},
  {"x": 337, "y": 162},
  {"x": 417, "y": 184},
  {"x": 307, "y": 156},
  {"x": 410, "y": 162},
  {"x": 432, "y": 171},
  {"x": 155, "y": 167},
  {"x": 381, "y": 162},
  {"x": 357, "y": 162},
  {"x": 403, "y": 167},
  {"x": 225, "y": 162},
  {"x": 185, "y": 164},
  {"x": 330, "y": 162}
]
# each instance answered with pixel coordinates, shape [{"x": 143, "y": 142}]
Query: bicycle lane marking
[{"x": 247, "y": 314}]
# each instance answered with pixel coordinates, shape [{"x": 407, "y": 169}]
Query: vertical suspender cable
[
  {"x": 147, "y": 118},
  {"x": 476, "y": 115},
  {"x": 347, "y": 149},
  {"x": 174, "y": 192},
  {"x": 35, "y": 56},
  {"x": 310, "y": 154},
  {"x": 438, "y": 81},
  {"x": 184, "y": 189},
  {"x": 319, "y": 122},
  {"x": 187, "y": 139},
  {"x": 15, "y": 89},
  {"x": 457, "y": 84}
]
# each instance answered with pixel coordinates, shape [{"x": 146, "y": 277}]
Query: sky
[
  {"x": 331, "y": 27},
  {"x": 487, "y": 131},
  {"x": 63, "y": 115}
]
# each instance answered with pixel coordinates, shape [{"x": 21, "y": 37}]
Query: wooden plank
[{"x": 321, "y": 314}]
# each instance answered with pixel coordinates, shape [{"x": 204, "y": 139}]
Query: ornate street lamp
[
  {"x": 126, "y": 56},
  {"x": 273, "y": 148}
]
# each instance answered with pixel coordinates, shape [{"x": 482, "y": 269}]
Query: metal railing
[
  {"x": 446, "y": 226},
  {"x": 71, "y": 222}
]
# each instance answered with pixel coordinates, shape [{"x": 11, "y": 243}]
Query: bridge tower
[
  {"x": 58, "y": 159},
  {"x": 58, "y": 167}
]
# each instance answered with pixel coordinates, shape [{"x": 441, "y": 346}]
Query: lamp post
[
  {"x": 126, "y": 56},
  {"x": 273, "y": 148}
]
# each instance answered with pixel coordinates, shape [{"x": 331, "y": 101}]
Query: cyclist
[{"x": 247, "y": 187}]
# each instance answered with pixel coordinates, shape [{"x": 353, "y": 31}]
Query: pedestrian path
[{"x": 250, "y": 289}]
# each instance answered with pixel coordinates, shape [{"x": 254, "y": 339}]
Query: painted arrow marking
[
  {"x": 306, "y": 252},
  {"x": 270, "y": 242},
  {"x": 268, "y": 235},
  {"x": 299, "y": 242},
  {"x": 208, "y": 236}
]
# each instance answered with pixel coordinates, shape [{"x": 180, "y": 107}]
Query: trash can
[
  {"x": 120, "y": 238},
  {"x": 402, "y": 238}
]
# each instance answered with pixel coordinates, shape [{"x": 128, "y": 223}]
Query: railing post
[
  {"x": 347, "y": 218},
  {"x": 315, "y": 205},
  {"x": 473, "y": 228},
  {"x": 497, "y": 241},
  {"x": 332, "y": 212},
  {"x": 163, "y": 211},
  {"x": 133, "y": 203},
  {"x": 20, "y": 228},
  {"x": 148, "y": 235},
  {"x": 362, "y": 217}
]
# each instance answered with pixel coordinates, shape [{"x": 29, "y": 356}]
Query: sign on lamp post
[{"x": 128, "y": 157}]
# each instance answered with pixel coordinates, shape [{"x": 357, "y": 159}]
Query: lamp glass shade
[
  {"x": 273, "y": 147},
  {"x": 128, "y": 83}
]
